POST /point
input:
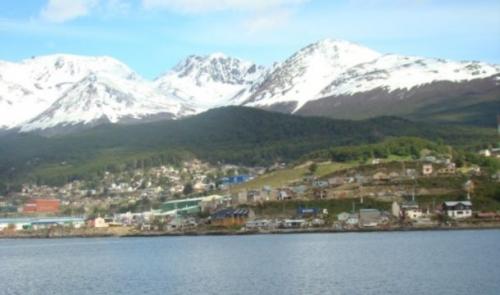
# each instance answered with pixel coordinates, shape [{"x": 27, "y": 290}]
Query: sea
[{"x": 425, "y": 262}]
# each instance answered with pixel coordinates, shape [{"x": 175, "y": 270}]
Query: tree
[
  {"x": 188, "y": 189},
  {"x": 313, "y": 167}
]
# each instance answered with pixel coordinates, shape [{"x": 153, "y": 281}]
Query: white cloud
[
  {"x": 59, "y": 11},
  {"x": 200, "y": 6},
  {"x": 267, "y": 21}
]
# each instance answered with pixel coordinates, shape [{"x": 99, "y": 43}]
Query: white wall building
[{"x": 458, "y": 209}]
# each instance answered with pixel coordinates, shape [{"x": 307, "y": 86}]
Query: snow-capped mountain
[
  {"x": 322, "y": 78},
  {"x": 332, "y": 78},
  {"x": 96, "y": 99},
  {"x": 209, "y": 81},
  {"x": 302, "y": 76},
  {"x": 392, "y": 72},
  {"x": 47, "y": 91}
]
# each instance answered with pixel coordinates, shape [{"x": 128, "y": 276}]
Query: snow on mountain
[
  {"x": 338, "y": 68},
  {"x": 303, "y": 75},
  {"x": 392, "y": 72},
  {"x": 29, "y": 88},
  {"x": 70, "y": 90},
  {"x": 209, "y": 81},
  {"x": 33, "y": 84},
  {"x": 98, "y": 98}
]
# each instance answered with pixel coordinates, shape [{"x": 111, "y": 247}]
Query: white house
[
  {"x": 485, "y": 153},
  {"x": 396, "y": 209},
  {"x": 411, "y": 210},
  {"x": 457, "y": 209},
  {"x": 427, "y": 169},
  {"x": 100, "y": 222}
]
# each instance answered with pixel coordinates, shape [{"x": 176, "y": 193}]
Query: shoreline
[{"x": 151, "y": 234}]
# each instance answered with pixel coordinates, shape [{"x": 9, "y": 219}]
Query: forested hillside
[{"x": 230, "y": 134}]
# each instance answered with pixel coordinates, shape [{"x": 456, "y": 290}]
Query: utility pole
[{"x": 413, "y": 192}]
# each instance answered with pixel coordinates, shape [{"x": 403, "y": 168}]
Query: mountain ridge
[{"x": 333, "y": 78}]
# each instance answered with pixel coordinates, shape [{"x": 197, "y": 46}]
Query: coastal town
[{"x": 197, "y": 197}]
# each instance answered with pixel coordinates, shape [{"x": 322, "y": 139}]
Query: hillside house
[
  {"x": 254, "y": 196},
  {"x": 336, "y": 181},
  {"x": 299, "y": 189},
  {"x": 485, "y": 153},
  {"x": 233, "y": 180},
  {"x": 393, "y": 175},
  {"x": 241, "y": 197},
  {"x": 450, "y": 168},
  {"x": 380, "y": 176},
  {"x": 475, "y": 170},
  {"x": 427, "y": 169},
  {"x": 320, "y": 193},
  {"x": 285, "y": 194},
  {"x": 320, "y": 184},
  {"x": 411, "y": 172}
]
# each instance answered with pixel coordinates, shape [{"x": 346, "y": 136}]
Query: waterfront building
[
  {"x": 41, "y": 223},
  {"x": 457, "y": 209},
  {"x": 15, "y": 223},
  {"x": 100, "y": 222},
  {"x": 260, "y": 224},
  {"x": 369, "y": 217},
  {"x": 293, "y": 223},
  {"x": 396, "y": 209},
  {"x": 230, "y": 217}
]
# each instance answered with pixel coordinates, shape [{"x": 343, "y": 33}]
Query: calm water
[{"x": 458, "y": 262}]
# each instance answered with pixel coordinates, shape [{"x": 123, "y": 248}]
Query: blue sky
[{"x": 151, "y": 36}]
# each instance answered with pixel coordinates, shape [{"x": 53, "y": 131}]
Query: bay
[{"x": 428, "y": 262}]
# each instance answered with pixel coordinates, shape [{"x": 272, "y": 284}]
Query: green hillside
[{"x": 231, "y": 135}]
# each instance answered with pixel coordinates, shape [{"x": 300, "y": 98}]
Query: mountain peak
[
  {"x": 210, "y": 80},
  {"x": 305, "y": 73},
  {"x": 334, "y": 42}
]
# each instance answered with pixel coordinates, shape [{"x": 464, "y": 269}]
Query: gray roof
[{"x": 454, "y": 203}]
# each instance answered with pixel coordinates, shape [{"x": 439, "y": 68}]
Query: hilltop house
[
  {"x": 320, "y": 183},
  {"x": 427, "y": 169},
  {"x": 380, "y": 176},
  {"x": 285, "y": 194},
  {"x": 450, "y": 168},
  {"x": 336, "y": 181},
  {"x": 457, "y": 209}
]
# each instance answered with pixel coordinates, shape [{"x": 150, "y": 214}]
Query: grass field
[{"x": 287, "y": 176}]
